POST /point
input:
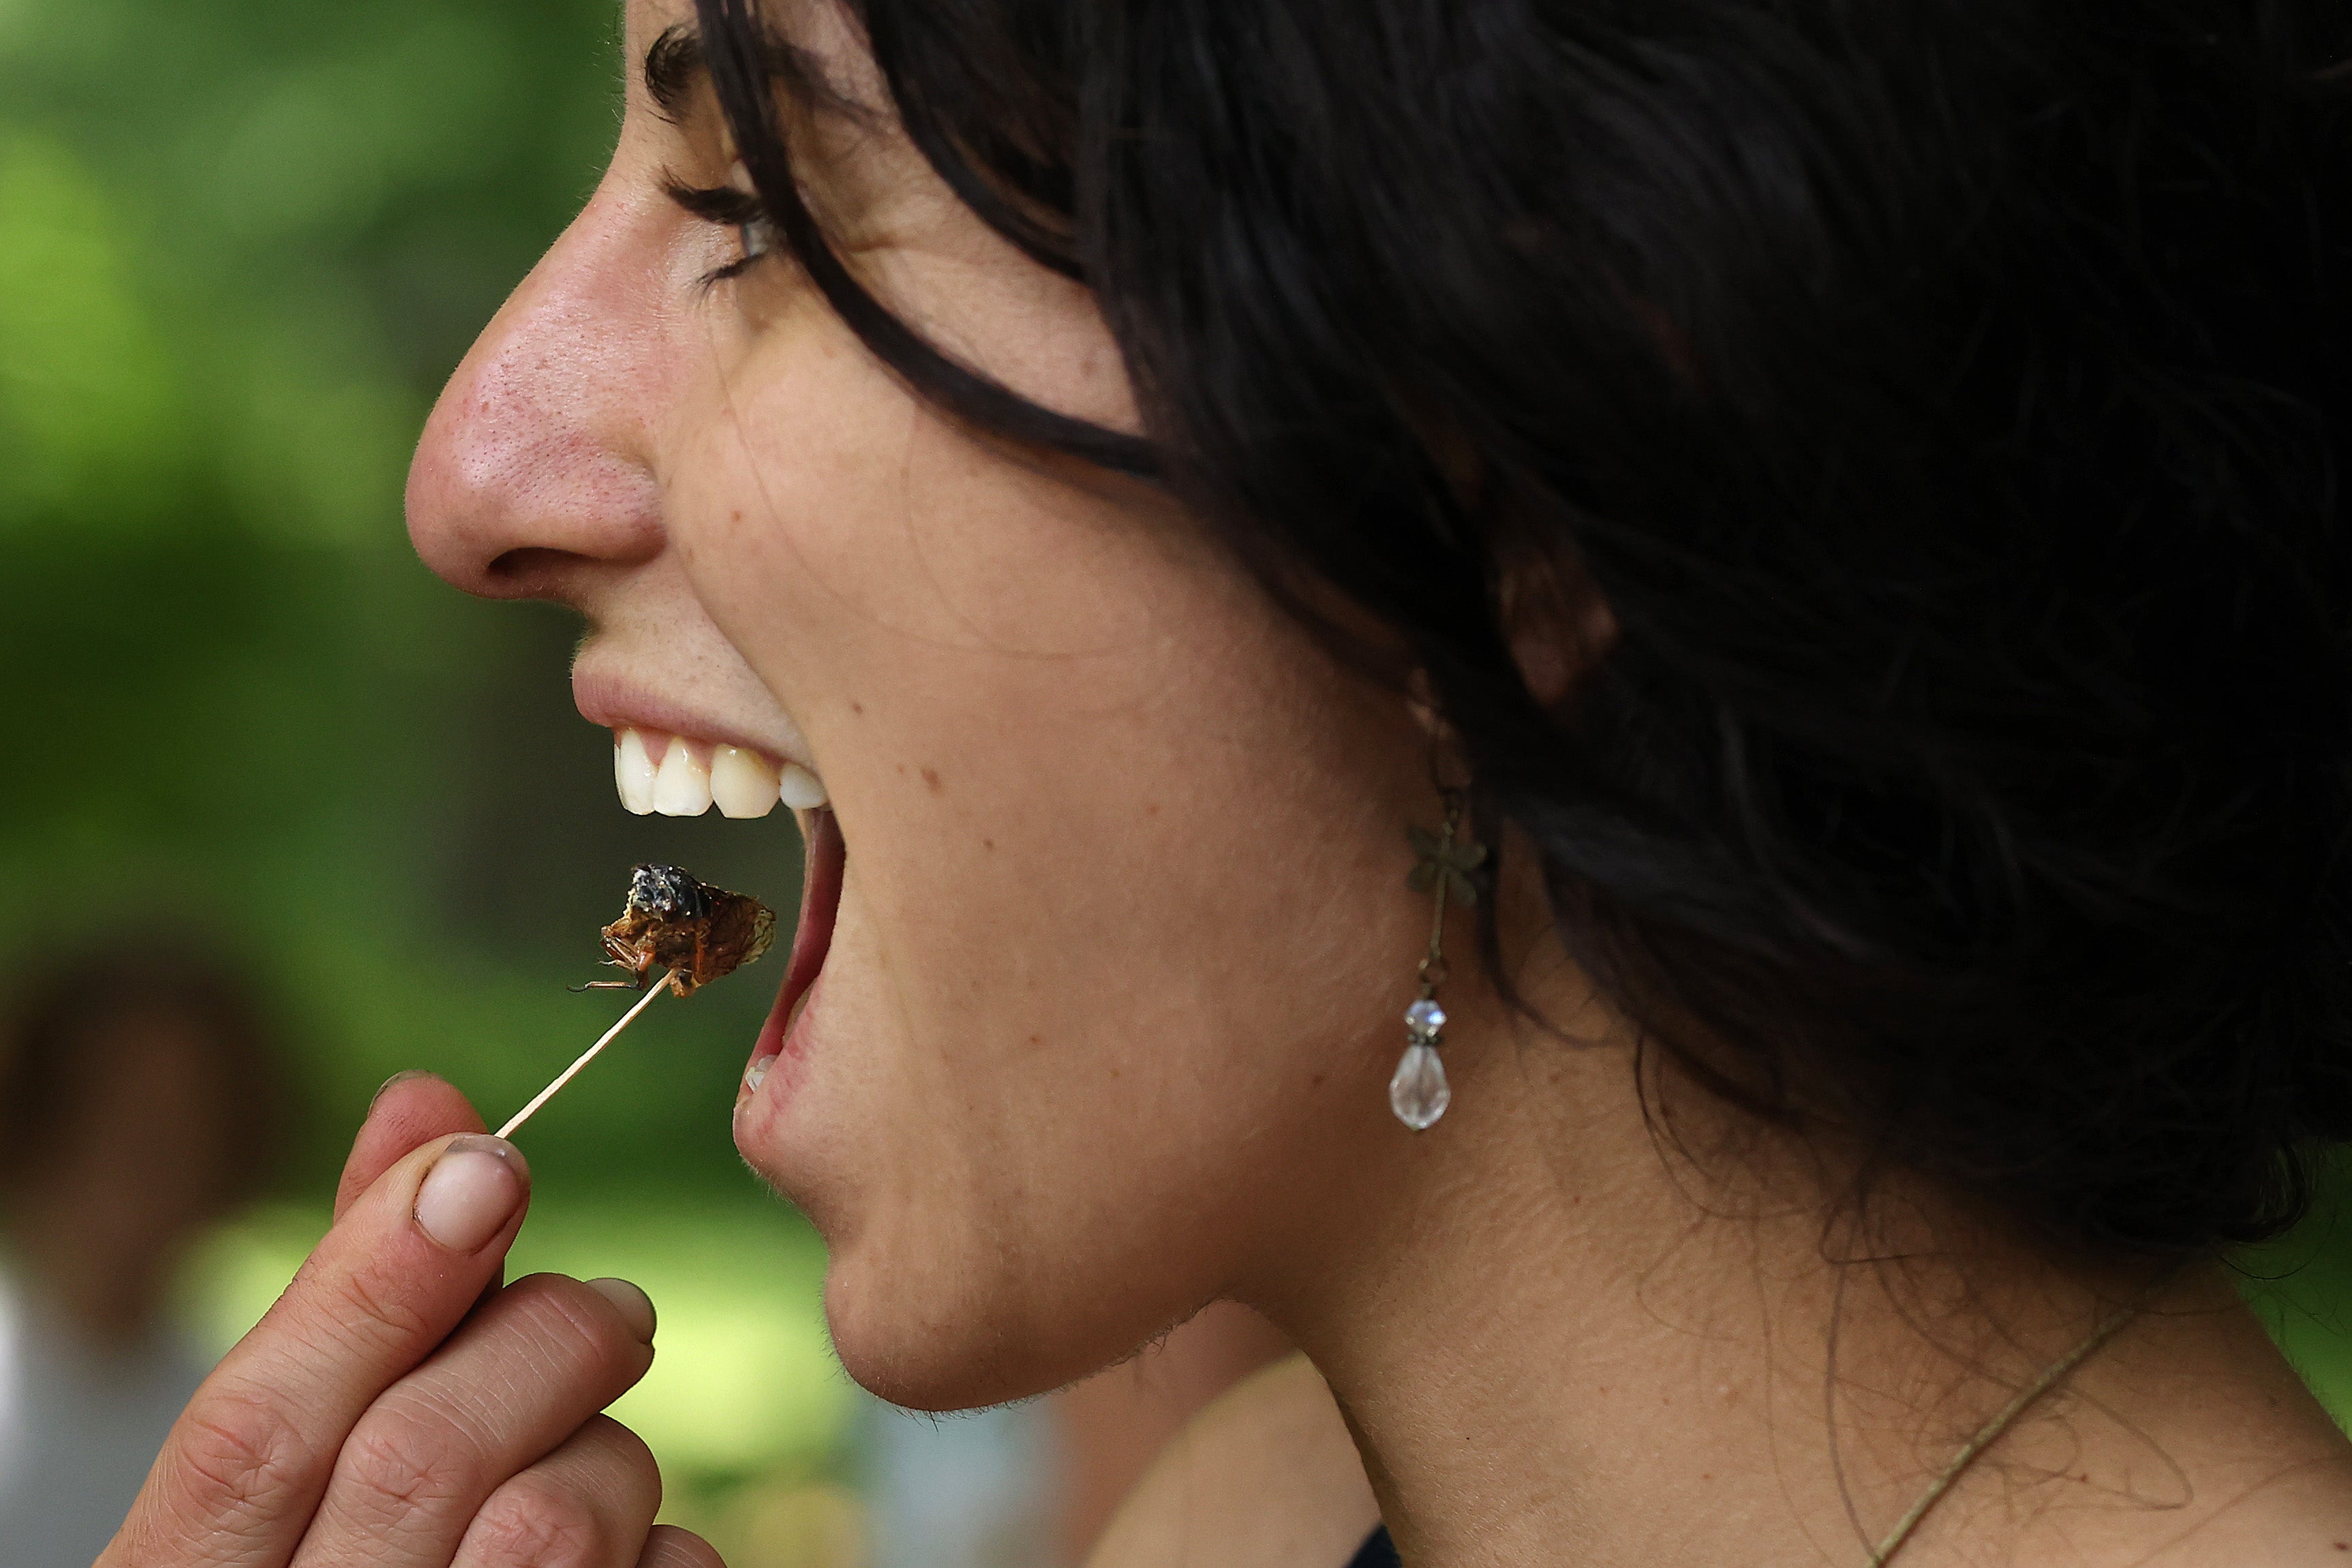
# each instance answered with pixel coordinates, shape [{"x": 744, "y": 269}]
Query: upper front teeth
[
  {"x": 682, "y": 788},
  {"x": 742, "y": 782},
  {"x": 634, "y": 771},
  {"x": 678, "y": 778}
]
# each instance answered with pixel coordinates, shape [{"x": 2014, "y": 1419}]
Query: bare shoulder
[{"x": 1266, "y": 1477}]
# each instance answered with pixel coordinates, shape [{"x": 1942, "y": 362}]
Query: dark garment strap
[{"x": 1378, "y": 1551}]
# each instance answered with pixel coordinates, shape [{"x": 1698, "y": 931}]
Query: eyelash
[{"x": 729, "y": 208}]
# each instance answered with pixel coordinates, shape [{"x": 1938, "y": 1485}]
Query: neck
[{"x": 1555, "y": 1340}]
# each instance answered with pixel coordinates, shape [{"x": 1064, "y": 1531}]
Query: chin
[
  {"x": 936, "y": 1326},
  {"x": 903, "y": 1332},
  {"x": 914, "y": 1323}
]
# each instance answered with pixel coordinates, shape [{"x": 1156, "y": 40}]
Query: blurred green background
[{"x": 242, "y": 243}]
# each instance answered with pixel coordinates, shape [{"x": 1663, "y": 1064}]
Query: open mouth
[
  {"x": 825, "y": 856},
  {"x": 681, "y": 775}
]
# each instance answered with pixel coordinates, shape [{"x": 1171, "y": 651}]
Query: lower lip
[{"x": 782, "y": 1034}]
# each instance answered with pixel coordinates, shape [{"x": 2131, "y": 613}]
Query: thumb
[{"x": 410, "y": 1111}]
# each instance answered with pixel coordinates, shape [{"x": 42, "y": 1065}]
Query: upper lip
[{"x": 615, "y": 703}]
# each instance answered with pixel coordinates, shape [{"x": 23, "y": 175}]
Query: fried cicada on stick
[
  {"x": 677, "y": 928},
  {"x": 677, "y": 923}
]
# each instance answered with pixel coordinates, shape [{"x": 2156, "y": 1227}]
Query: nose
[{"x": 534, "y": 469}]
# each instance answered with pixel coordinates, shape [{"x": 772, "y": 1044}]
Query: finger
[
  {"x": 248, "y": 1460},
  {"x": 587, "y": 1505},
  {"x": 524, "y": 1373},
  {"x": 410, "y": 1110},
  {"x": 670, "y": 1547}
]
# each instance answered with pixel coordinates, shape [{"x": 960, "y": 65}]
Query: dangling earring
[{"x": 1419, "y": 1093}]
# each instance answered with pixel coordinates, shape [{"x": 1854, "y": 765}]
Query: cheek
[{"x": 1125, "y": 917}]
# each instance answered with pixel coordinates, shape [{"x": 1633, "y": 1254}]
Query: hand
[{"x": 397, "y": 1408}]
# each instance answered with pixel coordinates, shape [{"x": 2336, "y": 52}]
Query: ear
[
  {"x": 1559, "y": 625},
  {"x": 1554, "y": 618}
]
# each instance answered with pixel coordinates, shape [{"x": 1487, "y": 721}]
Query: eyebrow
[{"x": 676, "y": 65}]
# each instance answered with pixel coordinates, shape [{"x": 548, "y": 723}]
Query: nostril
[{"x": 528, "y": 572}]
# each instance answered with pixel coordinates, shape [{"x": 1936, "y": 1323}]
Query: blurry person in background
[
  {"x": 139, "y": 1100},
  {"x": 1037, "y": 1483},
  {"x": 1111, "y": 1427}
]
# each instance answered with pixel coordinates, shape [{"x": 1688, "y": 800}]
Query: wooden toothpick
[{"x": 544, "y": 1095}]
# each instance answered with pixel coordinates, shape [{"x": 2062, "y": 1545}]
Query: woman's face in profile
[{"x": 1122, "y": 938}]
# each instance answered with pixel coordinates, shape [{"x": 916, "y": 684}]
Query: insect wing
[{"x": 763, "y": 932}]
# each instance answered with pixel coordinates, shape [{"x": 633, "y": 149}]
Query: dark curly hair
[{"x": 1945, "y": 403}]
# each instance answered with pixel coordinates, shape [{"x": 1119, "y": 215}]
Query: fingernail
[
  {"x": 401, "y": 1077},
  {"x": 471, "y": 1192},
  {"x": 636, "y": 1307}
]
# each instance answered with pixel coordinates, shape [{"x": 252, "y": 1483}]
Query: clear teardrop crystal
[{"x": 1419, "y": 1093}]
